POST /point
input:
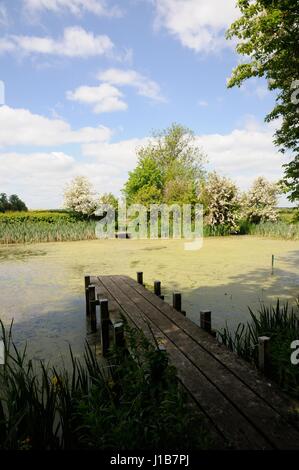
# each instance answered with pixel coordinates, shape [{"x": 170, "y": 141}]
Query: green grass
[
  {"x": 34, "y": 232},
  {"x": 52, "y": 226},
  {"x": 288, "y": 215},
  {"x": 133, "y": 404},
  {"x": 281, "y": 324},
  {"x": 280, "y": 230},
  {"x": 44, "y": 226}
]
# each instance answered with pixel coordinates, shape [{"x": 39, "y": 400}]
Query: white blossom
[
  {"x": 261, "y": 201},
  {"x": 79, "y": 196}
]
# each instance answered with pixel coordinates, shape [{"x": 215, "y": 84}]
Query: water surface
[{"x": 41, "y": 285}]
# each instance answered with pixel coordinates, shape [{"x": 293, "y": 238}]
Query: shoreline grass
[
  {"x": 134, "y": 404},
  {"x": 51, "y": 226},
  {"x": 281, "y": 324}
]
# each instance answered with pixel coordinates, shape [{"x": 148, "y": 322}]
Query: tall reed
[
  {"x": 123, "y": 405},
  {"x": 281, "y": 324}
]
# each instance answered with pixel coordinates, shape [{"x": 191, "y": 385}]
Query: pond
[{"x": 41, "y": 286}]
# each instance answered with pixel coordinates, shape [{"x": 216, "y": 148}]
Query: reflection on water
[{"x": 41, "y": 286}]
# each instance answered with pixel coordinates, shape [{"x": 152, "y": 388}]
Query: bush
[
  {"x": 261, "y": 201},
  {"x": 221, "y": 200}
]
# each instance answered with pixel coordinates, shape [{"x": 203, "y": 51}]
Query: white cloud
[
  {"x": 39, "y": 178},
  {"x": 76, "y": 42},
  {"x": 76, "y": 7},
  {"x": 255, "y": 88},
  {"x": 21, "y": 127},
  {"x": 3, "y": 15},
  {"x": 203, "y": 103},
  {"x": 103, "y": 98},
  {"x": 143, "y": 85},
  {"x": 244, "y": 154},
  {"x": 198, "y": 24}
]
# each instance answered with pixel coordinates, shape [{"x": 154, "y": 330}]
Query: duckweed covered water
[{"x": 41, "y": 286}]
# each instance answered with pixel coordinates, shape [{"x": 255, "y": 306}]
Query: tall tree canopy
[
  {"x": 268, "y": 33},
  {"x": 168, "y": 169},
  {"x": 11, "y": 203}
]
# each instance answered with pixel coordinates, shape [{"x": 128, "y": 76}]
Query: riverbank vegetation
[
  {"x": 53, "y": 226},
  {"x": 281, "y": 324},
  {"x": 170, "y": 170},
  {"x": 132, "y": 404}
]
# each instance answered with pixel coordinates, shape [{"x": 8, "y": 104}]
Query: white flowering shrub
[
  {"x": 79, "y": 196},
  {"x": 221, "y": 200},
  {"x": 261, "y": 201}
]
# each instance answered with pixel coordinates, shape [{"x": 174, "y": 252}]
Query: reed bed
[
  {"x": 34, "y": 232},
  {"x": 51, "y": 226},
  {"x": 281, "y": 324},
  {"x": 281, "y": 230},
  {"x": 128, "y": 404}
]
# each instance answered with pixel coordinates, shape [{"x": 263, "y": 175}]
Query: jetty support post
[
  {"x": 92, "y": 303},
  {"x": 86, "y": 284},
  {"x": 105, "y": 321},
  {"x": 157, "y": 288},
  {"x": 177, "y": 302},
  {"x": 264, "y": 353},
  {"x": 206, "y": 320},
  {"x": 119, "y": 338},
  {"x": 140, "y": 277}
]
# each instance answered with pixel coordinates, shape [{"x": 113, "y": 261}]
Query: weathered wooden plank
[
  {"x": 265, "y": 389},
  {"x": 227, "y": 419},
  {"x": 258, "y": 412}
]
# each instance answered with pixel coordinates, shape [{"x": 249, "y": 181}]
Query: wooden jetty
[{"x": 242, "y": 408}]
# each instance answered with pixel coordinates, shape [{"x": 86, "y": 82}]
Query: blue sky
[{"x": 86, "y": 81}]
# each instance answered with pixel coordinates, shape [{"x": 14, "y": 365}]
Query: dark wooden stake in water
[
  {"x": 273, "y": 264},
  {"x": 177, "y": 301},
  {"x": 86, "y": 284},
  {"x": 105, "y": 321},
  {"x": 264, "y": 353},
  {"x": 157, "y": 288},
  {"x": 92, "y": 307},
  {"x": 119, "y": 339},
  {"x": 140, "y": 277},
  {"x": 205, "y": 320}
]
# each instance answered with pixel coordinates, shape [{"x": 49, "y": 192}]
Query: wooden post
[
  {"x": 140, "y": 277},
  {"x": 119, "y": 339},
  {"x": 157, "y": 288},
  {"x": 92, "y": 307},
  {"x": 86, "y": 284},
  {"x": 205, "y": 320},
  {"x": 272, "y": 264},
  {"x": 104, "y": 326},
  {"x": 264, "y": 353},
  {"x": 177, "y": 301}
]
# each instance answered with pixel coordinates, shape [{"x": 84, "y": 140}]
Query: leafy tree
[
  {"x": 13, "y": 203},
  {"x": 16, "y": 204},
  {"x": 261, "y": 201},
  {"x": 221, "y": 201},
  {"x": 168, "y": 170},
  {"x": 268, "y": 32},
  {"x": 145, "y": 183},
  {"x": 109, "y": 198},
  {"x": 4, "y": 203},
  {"x": 79, "y": 196}
]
